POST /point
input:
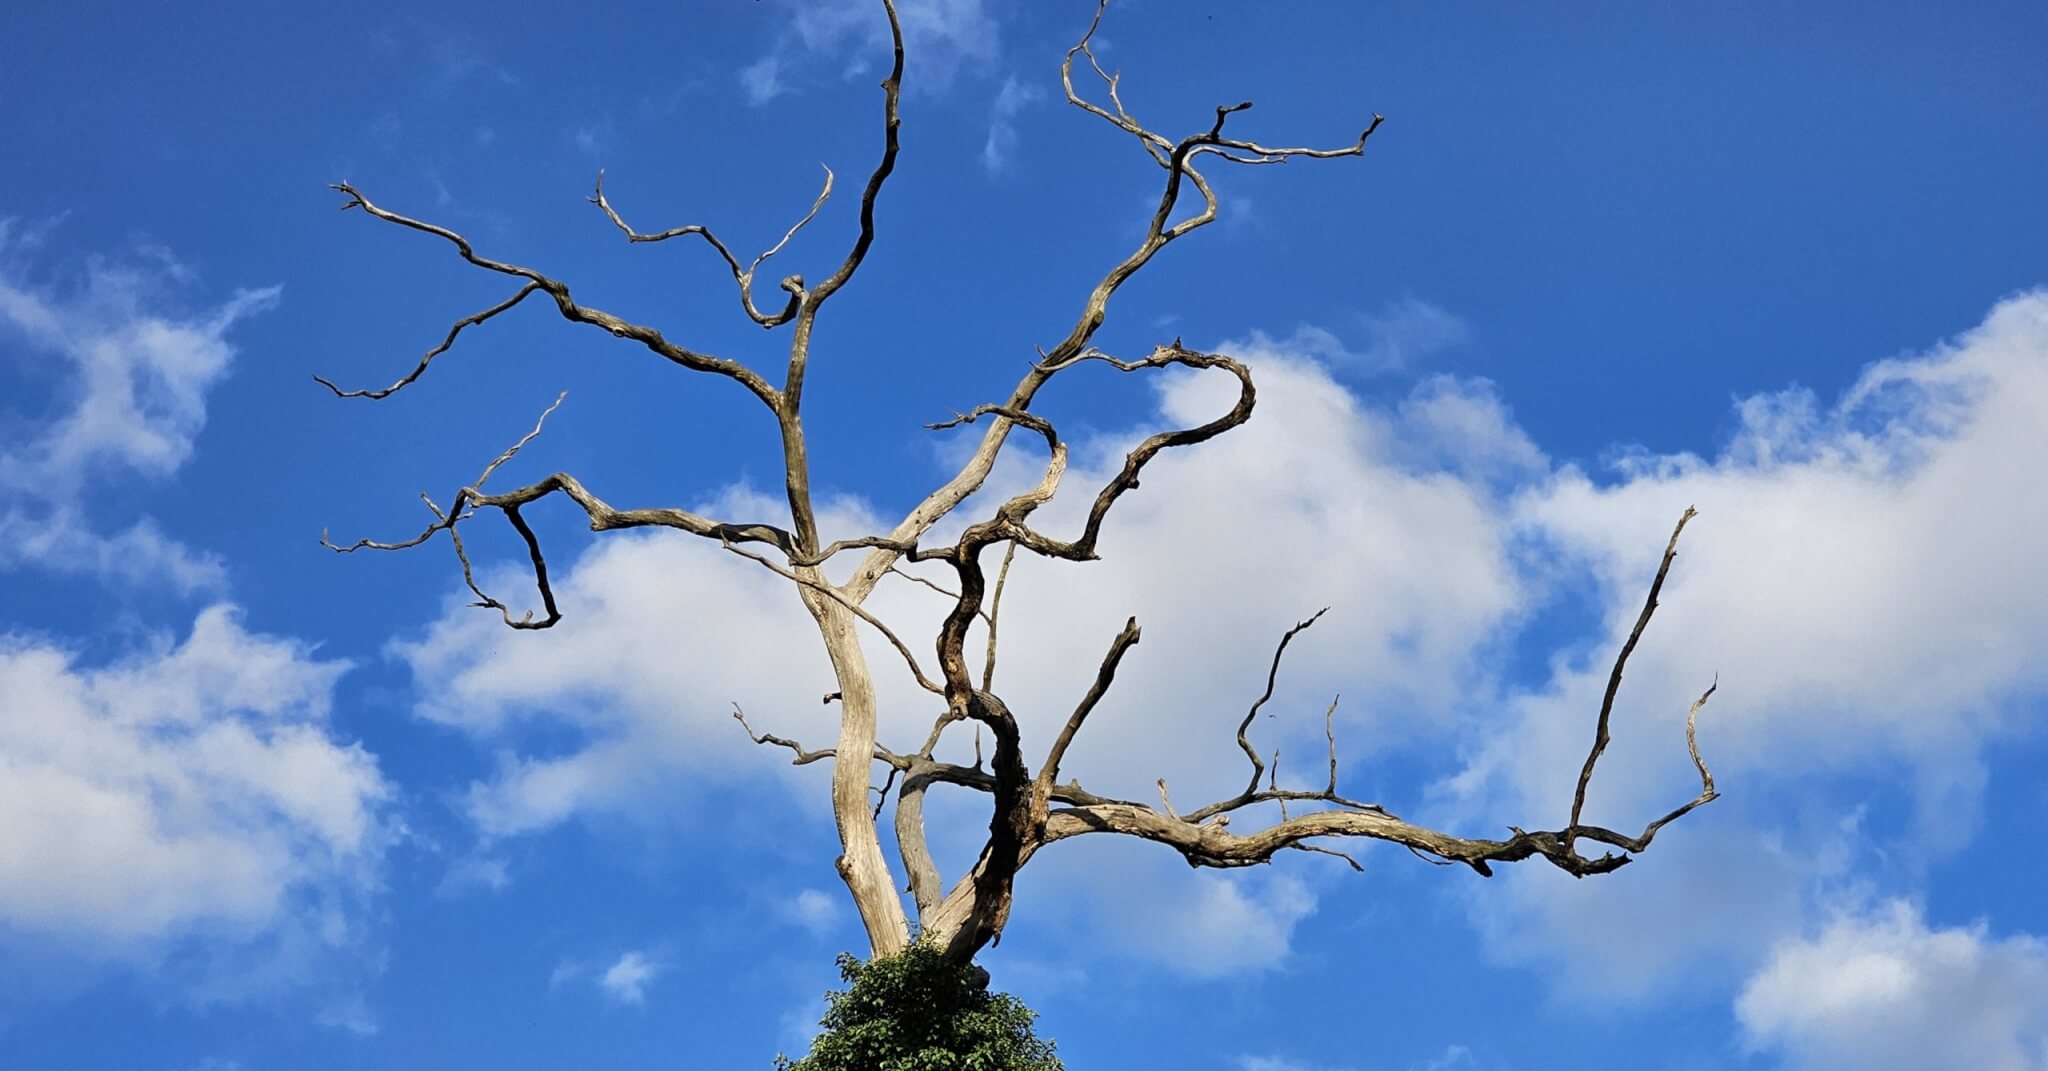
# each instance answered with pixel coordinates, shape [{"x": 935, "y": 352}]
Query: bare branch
[
  {"x": 916, "y": 579},
  {"x": 793, "y": 285},
  {"x": 1330, "y": 733},
  {"x": 804, "y": 756},
  {"x": 570, "y": 310},
  {"x": 995, "y": 606},
  {"x": 602, "y": 517},
  {"x": 926, "y": 889},
  {"x": 1027, "y": 810},
  {"x": 1273, "y": 782},
  {"x": 420, "y": 369},
  {"x": 1210, "y": 843},
  {"x": 1104, "y": 676},
  {"x": 824, "y": 194},
  {"x": 1707, "y": 792},
  {"x": 840, "y": 597},
  {"x": 892, "y": 119},
  {"x": 1244, "y": 743},
  {"x": 513, "y": 450},
  {"x": 882, "y": 794},
  {"x": 1304, "y": 847},
  {"x": 1600, "y": 733}
]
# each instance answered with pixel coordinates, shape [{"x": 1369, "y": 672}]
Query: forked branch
[
  {"x": 569, "y": 308},
  {"x": 793, "y": 285},
  {"x": 1210, "y": 843},
  {"x": 1628, "y": 646}
]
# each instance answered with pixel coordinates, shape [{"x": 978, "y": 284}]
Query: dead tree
[{"x": 1029, "y": 808}]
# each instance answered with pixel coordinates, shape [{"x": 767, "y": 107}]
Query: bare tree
[{"x": 1029, "y": 808}]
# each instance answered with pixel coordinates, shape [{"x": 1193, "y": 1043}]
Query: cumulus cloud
[
  {"x": 1880, "y": 989},
  {"x": 1862, "y": 577},
  {"x": 611, "y": 673},
  {"x": 130, "y": 404},
  {"x": 194, "y": 788},
  {"x": 940, "y": 38},
  {"x": 1423, "y": 581}
]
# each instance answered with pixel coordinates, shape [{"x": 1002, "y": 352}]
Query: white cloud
[
  {"x": 1001, "y": 146},
  {"x": 816, "y": 910},
  {"x": 1233, "y": 924},
  {"x": 1412, "y": 559},
  {"x": 1276, "y": 1063},
  {"x": 1453, "y": 1056},
  {"x": 473, "y": 873},
  {"x": 609, "y": 672},
  {"x": 131, "y": 404},
  {"x": 1396, "y": 338},
  {"x": 192, "y": 790},
  {"x": 141, "y": 555},
  {"x": 626, "y": 981},
  {"x": 351, "y": 1013},
  {"x": 1409, "y": 330},
  {"x": 940, "y": 38},
  {"x": 1863, "y": 577},
  {"x": 1196, "y": 924},
  {"x": 762, "y": 80},
  {"x": 1881, "y": 990},
  {"x": 1422, "y": 583}
]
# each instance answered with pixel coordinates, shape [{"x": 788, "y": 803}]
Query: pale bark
[{"x": 1027, "y": 810}]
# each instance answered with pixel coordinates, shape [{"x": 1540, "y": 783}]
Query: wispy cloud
[
  {"x": 941, "y": 37},
  {"x": 1395, "y": 338},
  {"x": 1278, "y": 1063},
  {"x": 474, "y": 873},
  {"x": 814, "y": 910},
  {"x": 626, "y": 981},
  {"x": 761, "y": 80},
  {"x": 998, "y": 152},
  {"x": 623, "y": 980},
  {"x": 134, "y": 376}
]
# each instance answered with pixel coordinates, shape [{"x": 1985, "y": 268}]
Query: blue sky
[{"x": 262, "y": 807}]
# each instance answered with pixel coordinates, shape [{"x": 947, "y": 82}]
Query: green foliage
[{"x": 917, "y": 1012}]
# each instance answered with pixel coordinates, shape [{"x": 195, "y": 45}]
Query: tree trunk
[{"x": 861, "y": 864}]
